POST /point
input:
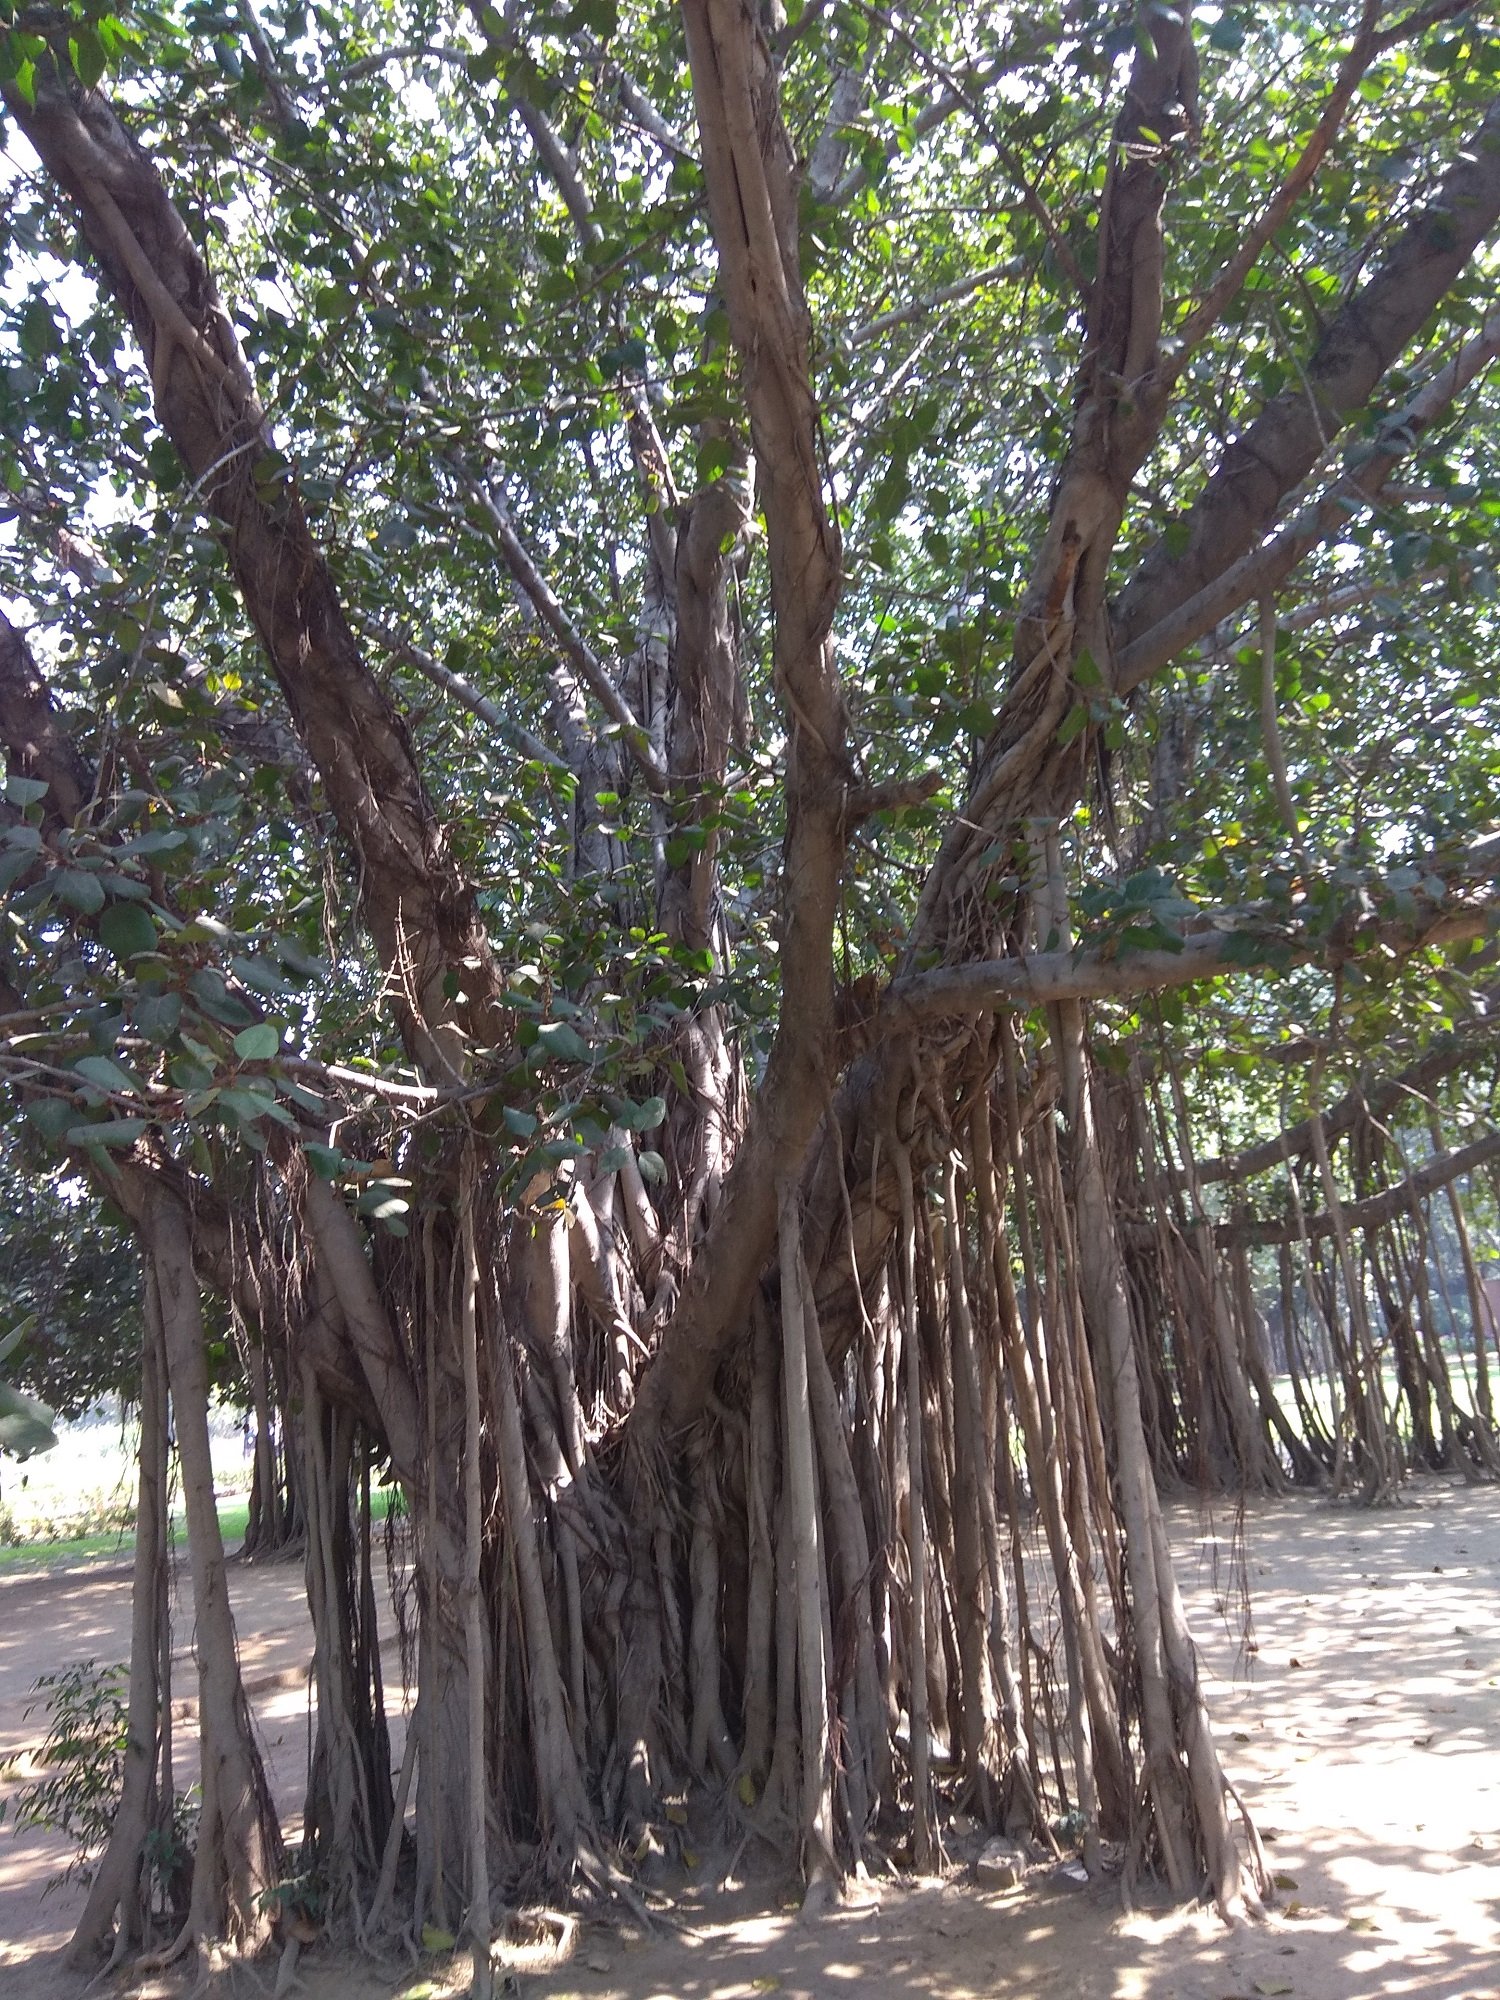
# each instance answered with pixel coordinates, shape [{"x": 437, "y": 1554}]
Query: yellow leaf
[
  {"x": 764, "y": 1985},
  {"x": 677, "y": 1815},
  {"x": 746, "y": 1789},
  {"x": 1284, "y": 1881},
  {"x": 435, "y": 1940},
  {"x": 690, "y": 1857}
]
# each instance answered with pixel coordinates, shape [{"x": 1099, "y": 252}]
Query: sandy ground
[{"x": 1362, "y": 1725}]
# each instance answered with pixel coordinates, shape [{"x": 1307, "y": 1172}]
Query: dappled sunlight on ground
[{"x": 1359, "y": 1715}]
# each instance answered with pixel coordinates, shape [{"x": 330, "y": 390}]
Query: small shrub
[
  {"x": 83, "y": 1768},
  {"x": 82, "y": 1759}
]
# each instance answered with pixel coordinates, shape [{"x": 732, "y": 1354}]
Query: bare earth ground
[{"x": 1363, "y": 1731}]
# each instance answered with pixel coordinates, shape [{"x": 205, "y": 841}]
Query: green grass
[{"x": 119, "y": 1545}]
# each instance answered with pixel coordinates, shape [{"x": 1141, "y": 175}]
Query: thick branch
[
  {"x": 1375, "y": 1100},
  {"x": 32, "y": 731},
  {"x": 1285, "y": 442},
  {"x": 753, "y": 207},
  {"x": 1392, "y": 1201},
  {"x": 956, "y": 991},
  {"x": 419, "y": 907},
  {"x": 1267, "y": 566}
]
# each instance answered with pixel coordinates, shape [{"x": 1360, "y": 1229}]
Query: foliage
[
  {"x": 82, "y": 1759},
  {"x": 430, "y": 328},
  {"x": 69, "y": 1286}
]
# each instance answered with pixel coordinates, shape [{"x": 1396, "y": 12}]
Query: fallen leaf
[
  {"x": 765, "y": 1984},
  {"x": 1361, "y": 1923},
  {"x": 746, "y": 1789},
  {"x": 1284, "y": 1881},
  {"x": 1294, "y": 1663},
  {"x": 677, "y": 1815},
  {"x": 1273, "y": 1986},
  {"x": 435, "y": 1940}
]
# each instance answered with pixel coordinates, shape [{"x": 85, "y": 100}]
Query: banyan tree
[{"x": 749, "y": 752}]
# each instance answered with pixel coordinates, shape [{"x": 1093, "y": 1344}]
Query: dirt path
[{"x": 1364, "y": 1732}]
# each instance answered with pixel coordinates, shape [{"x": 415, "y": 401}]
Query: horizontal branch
[
  {"x": 1375, "y": 1209},
  {"x": 1372, "y": 1100},
  {"x": 1234, "y": 943}
]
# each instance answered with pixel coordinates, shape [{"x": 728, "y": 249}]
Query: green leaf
[
  {"x": 258, "y": 1044},
  {"x": 14, "y": 862},
  {"x": 25, "y": 1423},
  {"x": 145, "y": 845},
  {"x": 50, "y": 1115},
  {"x": 11, "y": 1341},
  {"x": 260, "y": 977},
  {"x": 127, "y": 930},
  {"x": 109, "y": 1132},
  {"x": 642, "y": 1117},
  {"x": 249, "y": 1106},
  {"x": 562, "y": 1039},
  {"x": 380, "y": 1204},
  {"x": 25, "y": 791},
  {"x": 1073, "y": 724},
  {"x": 213, "y": 996},
  {"x": 1086, "y": 672},
  {"x": 107, "y": 1075},
  {"x": 157, "y": 1016},
  {"x": 79, "y": 889},
  {"x": 87, "y": 52},
  {"x": 327, "y": 1162}
]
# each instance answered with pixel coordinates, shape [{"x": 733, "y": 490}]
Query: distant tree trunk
[
  {"x": 122, "y": 1887},
  {"x": 238, "y": 1856}
]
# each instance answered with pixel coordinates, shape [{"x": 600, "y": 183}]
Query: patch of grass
[
  {"x": 119, "y": 1544},
  {"x": 81, "y": 1548},
  {"x": 234, "y": 1518}
]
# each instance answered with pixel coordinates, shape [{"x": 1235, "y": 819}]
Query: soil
[{"x": 1358, "y": 1712}]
